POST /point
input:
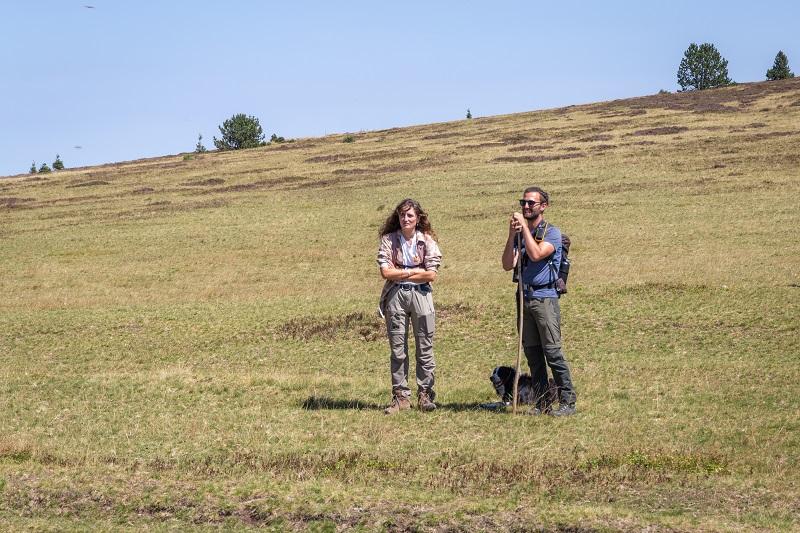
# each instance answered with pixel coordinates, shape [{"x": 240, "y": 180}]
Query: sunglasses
[{"x": 531, "y": 203}]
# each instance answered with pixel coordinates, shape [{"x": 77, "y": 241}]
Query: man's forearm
[{"x": 508, "y": 253}]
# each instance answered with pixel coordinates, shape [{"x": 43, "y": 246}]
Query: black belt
[
  {"x": 425, "y": 287},
  {"x": 528, "y": 290}
]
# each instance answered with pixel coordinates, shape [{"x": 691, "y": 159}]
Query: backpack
[{"x": 561, "y": 271}]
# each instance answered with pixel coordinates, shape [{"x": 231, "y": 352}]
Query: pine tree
[
  {"x": 780, "y": 69},
  {"x": 199, "y": 148},
  {"x": 44, "y": 169},
  {"x": 469, "y": 114},
  {"x": 58, "y": 164},
  {"x": 240, "y": 131},
  {"x": 702, "y": 67},
  {"x": 33, "y": 168}
]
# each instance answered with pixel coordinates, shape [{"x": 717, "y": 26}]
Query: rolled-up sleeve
[
  {"x": 385, "y": 252},
  {"x": 433, "y": 255}
]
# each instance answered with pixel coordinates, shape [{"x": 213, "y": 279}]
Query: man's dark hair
[{"x": 543, "y": 195}]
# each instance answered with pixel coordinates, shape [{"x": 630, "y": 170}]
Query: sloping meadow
[{"x": 191, "y": 341}]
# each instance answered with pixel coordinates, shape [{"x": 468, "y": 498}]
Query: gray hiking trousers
[
  {"x": 541, "y": 338},
  {"x": 412, "y": 305}
]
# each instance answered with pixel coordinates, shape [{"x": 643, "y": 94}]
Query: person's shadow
[{"x": 318, "y": 403}]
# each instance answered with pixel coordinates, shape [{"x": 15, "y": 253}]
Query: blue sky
[{"x": 135, "y": 79}]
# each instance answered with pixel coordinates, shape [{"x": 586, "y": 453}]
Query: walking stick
[{"x": 519, "y": 325}]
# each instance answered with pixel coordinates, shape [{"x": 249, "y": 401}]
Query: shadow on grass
[{"x": 316, "y": 403}]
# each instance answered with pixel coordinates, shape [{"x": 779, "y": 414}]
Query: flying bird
[
  {"x": 77, "y": 146},
  {"x": 88, "y": 7}
]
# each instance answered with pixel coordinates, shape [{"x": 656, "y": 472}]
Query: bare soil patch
[
  {"x": 14, "y": 201},
  {"x": 203, "y": 183},
  {"x": 593, "y": 138},
  {"x": 358, "y": 324},
  {"x": 530, "y": 147},
  {"x": 89, "y": 183},
  {"x": 664, "y": 130},
  {"x": 602, "y": 147},
  {"x": 437, "y": 136},
  {"x": 537, "y": 158}
]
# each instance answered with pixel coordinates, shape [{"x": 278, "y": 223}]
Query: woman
[{"x": 409, "y": 259}]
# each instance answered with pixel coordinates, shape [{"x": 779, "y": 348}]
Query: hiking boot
[
  {"x": 425, "y": 402},
  {"x": 399, "y": 403},
  {"x": 565, "y": 409}
]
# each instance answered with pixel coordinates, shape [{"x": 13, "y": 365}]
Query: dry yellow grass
[{"x": 190, "y": 343}]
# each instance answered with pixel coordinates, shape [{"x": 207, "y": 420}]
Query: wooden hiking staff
[{"x": 515, "y": 397}]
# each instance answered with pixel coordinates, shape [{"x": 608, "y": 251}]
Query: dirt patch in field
[
  {"x": 255, "y": 185},
  {"x": 664, "y": 130},
  {"x": 351, "y": 171},
  {"x": 536, "y": 158},
  {"x": 593, "y": 138},
  {"x": 326, "y": 158},
  {"x": 602, "y": 147},
  {"x": 90, "y": 183},
  {"x": 14, "y": 201},
  {"x": 143, "y": 190},
  {"x": 366, "y": 327},
  {"x": 479, "y": 146},
  {"x": 530, "y": 147},
  {"x": 203, "y": 183},
  {"x": 361, "y": 157},
  {"x": 769, "y": 135},
  {"x": 437, "y": 136},
  {"x": 516, "y": 139}
]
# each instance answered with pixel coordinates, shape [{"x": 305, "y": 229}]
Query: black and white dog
[{"x": 503, "y": 382}]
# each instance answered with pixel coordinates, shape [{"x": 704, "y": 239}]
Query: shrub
[
  {"x": 240, "y": 131},
  {"x": 702, "y": 67},
  {"x": 33, "y": 168},
  {"x": 348, "y": 139},
  {"x": 276, "y": 139},
  {"x": 44, "y": 169}
]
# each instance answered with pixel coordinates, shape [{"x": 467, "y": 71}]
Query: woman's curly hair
[{"x": 392, "y": 223}]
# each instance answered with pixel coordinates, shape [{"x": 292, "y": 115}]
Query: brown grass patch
[
  {"x": 365, "y": 326},
  {"x": 89, "y": 183},
  {"x": 515, "y": 139},
  {"x": 592, "y": 138},
  {"x": 326, "y": 158},
  {"x": 602, "y": 147},
  {"x": 14, "y": 201},
  {"x": 203, "y": 183},
  {"x": 480, "y": 145},
  {"x": 436, "y": 136},
  {"x": 530, "y": 147},
  {"x": 664, "y": 130},
  {"x": 537, "y": 158}
]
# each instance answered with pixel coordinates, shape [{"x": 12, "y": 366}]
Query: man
[{"x": 541, "y": 329}]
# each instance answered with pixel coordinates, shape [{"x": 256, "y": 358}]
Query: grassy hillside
[{"x": 190, "y": 341}]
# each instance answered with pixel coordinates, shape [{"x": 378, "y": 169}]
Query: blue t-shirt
[{"x": 540, "y": 272}]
